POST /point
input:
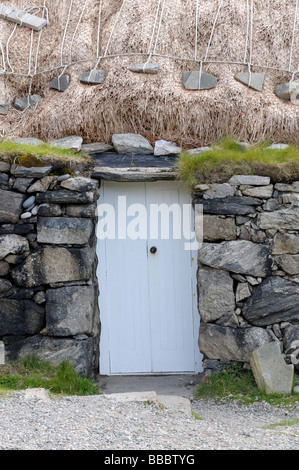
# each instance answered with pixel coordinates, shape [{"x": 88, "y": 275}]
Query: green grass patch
[
  {"x": 236, "y": 383},
  {"x": 32, "y": 373},
  {"x": 39, "y": 155},
  {"x": 286, "y": 422},
  {"x": 227, "y": 159}
]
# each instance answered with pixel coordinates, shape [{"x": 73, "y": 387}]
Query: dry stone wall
[
  {"x": 48, "y": 285},
  {"x": 248, "y": 275}
]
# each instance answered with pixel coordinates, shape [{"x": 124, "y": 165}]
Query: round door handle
[{"x": 153, "y": 249}]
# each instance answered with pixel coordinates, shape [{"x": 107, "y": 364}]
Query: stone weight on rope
[
  {"x": 286, "y": 91},
  {"x": 4, "y": 107},
  {"x": 93, "y": 77},
  {"x": 252, "y": 80},
  {"x": 60, "y": 83},
  {"x": 22, "y": 103},
  {"x": 22, "y": 18},
  {"x": 198, "y": 81},
  {"x": 149, "y": 68}
]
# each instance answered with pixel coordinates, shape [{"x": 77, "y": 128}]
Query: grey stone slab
[
  {"x": 60, "y": 83},
  {"x": 22, "y": 103},
  {"x": 22, "y": 184},
  {"x": 12, "y": 244},
  {"x": 72, "y": 317},
  {"x": 147, "y": 67},
  {"x": 41, "y": 186},
  {"x": 10, "y": 206},
  {"x": 284, "y": 91},
  {"x": 263, "y": 192},
  {"x": 252, "y": 180},
  {"x": 49, "y": 210},
  {"x": 231, "y": 205},
  {"x": 270, "y": 370},
  {"x": 196, "y": 81},
  {"x": 216, "y": 296},
  {"x": 217, "y": 190},
  {"x": 4, "y": 178},
  {"x": 4, "y": 167},
  {"x": 93, "y": 77},
  {"x": 22, "y": 18},
  {"x": 285, "y": 243},
  {"x": 217, "y": 228},
  {"x": 71, "y": 142},
  {"x": 64, "y": 197},
  {"x": 252, "y": 80},
  {"x": 32, "y": 172},
  {"x": 64, "y": 230},
  {"x": 282, "y": 219},
  {"x": 4, "y": 107},
  {"x": 287, "y": 188},
  {"x": 28, "y": 141},
  {"x": 275, "y": 300},
  {"x": 96, "y": 147},
  {"x": 234, "y": 344},
  {"x": 132, "y": 144},
  {"x": 81, "y": 210},
  {"x": 51, "y": 265},
  {"x": 288, "y": 263},
  {"x": 238, "y": 256},
  {"x": 80, "y": 184}
]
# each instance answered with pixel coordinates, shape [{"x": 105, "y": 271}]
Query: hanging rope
[
  {"x": 213, "y": 29},
  {"x": 293, "y": 35},
  {"x": 8, "y": 69},
  {"x": 196, "y": 29}
]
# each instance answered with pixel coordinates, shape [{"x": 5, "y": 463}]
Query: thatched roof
[{"x": 156, "y": 106}]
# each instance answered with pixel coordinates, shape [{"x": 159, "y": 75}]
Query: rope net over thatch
[{"x": 222, "y": 37}]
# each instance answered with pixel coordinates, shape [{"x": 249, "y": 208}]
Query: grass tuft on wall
[{"x": 227, "y": 158}]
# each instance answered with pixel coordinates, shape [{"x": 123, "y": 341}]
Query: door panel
[{"x": 146, "y": 299}]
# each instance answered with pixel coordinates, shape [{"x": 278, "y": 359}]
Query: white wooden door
[{"x": 147, "y": 282}]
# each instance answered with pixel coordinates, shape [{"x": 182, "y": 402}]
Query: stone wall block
[
  {"x": 64, "y": 230},
  {"x": 239, "y": 256},
  {"x": 234, "y": 344},
  {"x": 216, "y": 296},
  {"x": 275, "y": 300},
  {"x": 20, "y": 317},
  {"x": 11, "y": 206},
  {"x": 80, "y": 354},
  {"x": 52, "y": 265},
  {"x": 72, "y": 317}
]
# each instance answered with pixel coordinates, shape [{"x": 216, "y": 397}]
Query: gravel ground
[{"x": 102, "y": 423}]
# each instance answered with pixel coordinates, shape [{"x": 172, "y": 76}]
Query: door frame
[{"x": 104, "y": 369}]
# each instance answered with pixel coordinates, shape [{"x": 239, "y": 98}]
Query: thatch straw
[{"x": 157, "y": 106}]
